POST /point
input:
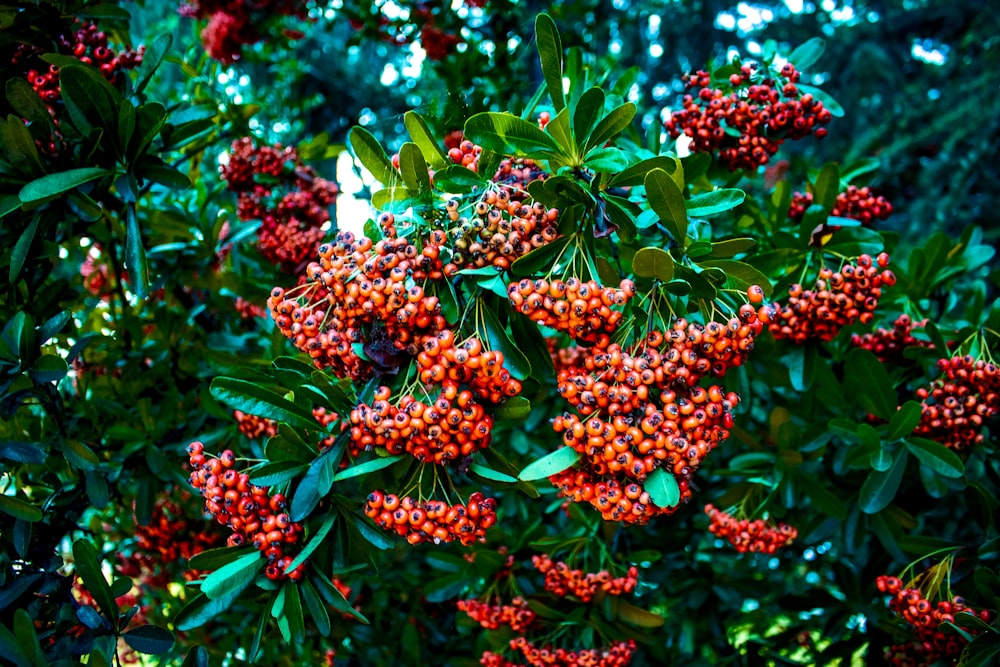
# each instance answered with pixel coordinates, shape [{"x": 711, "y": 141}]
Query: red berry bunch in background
[
  {"x": 888, "y": 344},
  {"x": 756, "y": 536},
  {"x": 254, "y": 427},
  {"x": 760, "y": 113},
  {"x": 503, "y": 227},
  {"x": 432, "y": 520},
  {"x": 232, "y": 24},
  {"x": 643, "y": 408},
  {"x": 517, "y": 614},
  {"x": 581, "y": 309},
  {"x": 167, "y": 542},
  {"x": 95, "y": 276},
  {"x": 248, "y": 310},
  {"x": 286, "y": 195},
  {"x": 856, "y": 203},
  {"x": 956, "y": 406},
  {"x": 932, "y": 643},
  {"x": 561, "y": 580},
  {"x": 838, "y": 298},
  {"x": 618, "y": 654},
  {"x": 255, "y": 516}
]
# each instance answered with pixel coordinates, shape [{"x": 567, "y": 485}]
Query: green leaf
[
  {"x": 414, "y": 168},
  {"x": 293, "y": 612},
  {"x": 667, "y": 201},
  {"x": 541, "y": 259},
  {"x": 550, "y": 54},
  {"x": 48, "y": 368},
  {"x": 25, "y": 102},
  {"x": 653, "y": 263},
  {"x": 276, "y": 472},
  {"x": 126, "y": 124},
  {"x": 457, "y": 179},
  {"x": 371, "y": 155},
  {"x": 19, "y": 147},
  {"x": 321, "y": 618},
  {"x": 314, "y": 485},
  {"x": 152, "y": 58},
  {"x": 635, "y": 616},
  {"x": 135, "y": 254},
  {"x": 827, "y": 187},
  {"x": 731, "y": 247},
  {"x": 202, "y": 609},
  {"x": 366, "y": 467},
  {"x": 588, "y": 110},
  {"x": 823, "y": 499},
  {"x": 257, "y": 400},
  {"x": 636, "y": 174},
  {"x": 608, "y": 159},
  {"x": 53, "y": 185},
  {"x": 424, "y": 138},
  {"x": 904, "y": 420},
  {"x": 551, "y": 464},
  {"x": 740, "y": 275},
  {"x": 19, "y": 508},
  {"x": 197, "y": 657},
  {"x": 509, "y": 135},
  {"x": 213, "y": 559},
  {"x": 236, "y": 575},
  {"x": 611, "y": 125},
  {"x": 514, "y": 408},
  {"x": 491, "y": 475},
  {"x": 88, "y": 566},
  {"x": 880, "y": 488},
  {"x": 149, "y": 120},
  {"x": 21, "y": 249},
  {"x": 662, "y": 487},
  {"x": 11, "y": 650},
  {"x": 937, "y": 457},
  {"x": 981, "y": 651},
  {"x": 866, "y": 379},
  {"x": 334, "y": 597},
  {"x": 514, "y": 359},
  {"x": 313, "y": 543},
  {"x": 89, "y": 99},
  {"x": 807, "y": 54},
  {"x": 149, "y": 639},
  {"x": 712, "y": 203}
]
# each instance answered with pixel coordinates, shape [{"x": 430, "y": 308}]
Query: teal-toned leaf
[
  {"x": 314, "y": 485},
  {"x": 367, "y": 467},
  {"x": 491, "y": 475},
  {"x": 197, "y": 657},
  {"x": 24, "y": 100},
  {"x": 292, "y": 612},
  {"x": 904, "y": 420},
  {"x": 662, "y": 487},
  {"x": 371, "y": 155},
  {"x": 807, "y": 54},
  {"x": 202, "y": 609},
  {"x": 135, "y": 254},
  {"x": 149, "y": 121},
  {"x": 509, "y": 135},
  {"x": 880, "y": 488},
  {"x": 712, "y": 203},
  {"x": 276, "y": 472},
  {"x": 550, "y": 54},
  {"x": 314, "y": 542},
  {"x": 19, "y": 508},
  {"x": 730, "y": 247},
  {"x": 149, "y": 639},
  {"x": 827, "y": 187},
  {"x": 21, "y": 249},
  {"x": 237, "y": 574},
  {"x": 53, "y": 185},
  {"x": 653, "y": 263},
  {"x": 88, "y": 566},
  {"x": 213, "y": 559},
  {"x": 152, "y": 58},
  {"x": 828, "y": 100},
  {"x": 666, "y": 199},
  {"x": 551, "y": 464},
  {"x": 261, "y": 401},
  {"x": 937, "y": 457}
]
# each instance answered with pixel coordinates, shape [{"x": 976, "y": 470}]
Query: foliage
[{"x": 426, "y": 438}]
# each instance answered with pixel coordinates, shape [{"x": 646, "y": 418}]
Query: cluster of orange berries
[
  {"x": 618, "y": 654},
  {"x": 856, "y": 203},
  {"x": 441, "y": 360},
  {"x": 581, "y": 309},
  {"x": 166, "y": 541},
  {"x": 837, "y": 299},
  {"x": 763, "y": 114},
  {"x": 254, "y": 427},
  {"x": 255, "y": 516},
  {"x": 642, "y": 409},
  {"x": 756, "y": 536},
  {"x": 433, "y": 520},
  {"x": 291, "y": 224},
  {"x": 362, "y": 293},
  {"x": 561, "y": 580},
  {"x": 888, "y": 344},
  {"x": 513, "y": 174},
  {"x": 248, "y": 310},
  {"x": 517, "y": 614},
  {"x": 232, "y": 24},
  {"x": 932, "y": 644},
  {"x": 958, "y": 403},
  {"x": 503, "y": 228}
]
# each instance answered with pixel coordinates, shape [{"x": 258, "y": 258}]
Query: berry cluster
[
  {"x": 756, "y": 536},
  {"x": 561, "y": 580},
  {"x": 433, "y": 520},
  {"x": 855, "y": 203},
  {"x": 248, "y": 310},
  {"x": 932, "y": 643},
  {"x": 763, "y": 111},
  {"x": 581, "y": 309},
  {"x": 517, "y": 614},
  {"x": 513, "y": 174},
  {"x": 254, "y": 515},
  {"x": 503, "y": 228},
  {"x": 643, "y": 408},
  {"x": 167, "y": 541},
  {"x": 254, "y": 427},
  {"x": 291, "y": 223},
  {"x": 888, "y": 344},
  {"x": 441, "y": 360},
  {"x": 837, "y": 299},
  {"x": 95, "y": 276},
  {"x": 232, "y": 24},
  {"x": 955, "y": 407},
  {"x": 618, "y": 654},
  {"x": 363, "y": 293}
]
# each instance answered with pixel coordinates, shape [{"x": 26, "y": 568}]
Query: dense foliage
[{"x": 624, "y": 364}]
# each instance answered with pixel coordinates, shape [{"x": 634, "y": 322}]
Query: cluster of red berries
[
  {"x": 433, "y": 520},
  {"x": 955, "y": 407},
  {"x": 363, "y": 293},
  {"x": 517, "y": 614},
  {"x": 763, "y": 113},
  {"x": 581, "y": 309},
  {"x": 503, "y": 228},
  {"x": 248, "y": 310},
  {"x": 513, "y": 174},
  {"x": 856, "y": 203},
  {"x": 254, "y": 427},
  {"x": 255, "y": 516},
  {"x": 168, "y": 540},
  {"x": 756, "y": 536},
  {"x": 561, "y": 580},
  {"x": 232, "y": 24},
  {"x": 441, "y": 359},
  {"x": 618, "y": 654},
  {"x": 837, "y": 299},
  {"x": 291, "y": 223},
  {"x": 437, "y": 43},
  {"x": 888, "y": 344},
  {"x": 95, "y": 276},
  {"x": 642, "y": 409},
  {"x": 932, "y": 643}
]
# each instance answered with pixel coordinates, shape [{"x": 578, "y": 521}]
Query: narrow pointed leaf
[
  {"x": 550, "y": 53},
  {"x": 667, "y": 201},
  {"x": 550, "y": 464}
]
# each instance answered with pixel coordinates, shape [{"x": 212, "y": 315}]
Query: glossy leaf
[
  {"x": 88, "y": 566},
  {"x": 869, "y": 383},
  {"x": 904, "y": 420},
  {"x": 662, "y": 488},
  {"x": 53, "y": 185},
  {"x": 236, "y": 575},
  {"x": 827, "y": 187},
  {"x": 937, "y": 457},
  {"x": 715, "y": 202},
  {"x": 21, "y": 249},
  {"x": 371, "y": 155},
  {"x": 509, "y": 135},
  {"x": 550, "y": 54},
  {"x": 261, "y": 401},
  {"x": 807, "y": 54},
  {"x": 666, "y": 199},
  {"x": 880, "y": 488},
  {"x": 653, "y": 263},
  {"x": 414, "y": 168},
  {"x": 731, "y": 247},
  {"x": 552, "y": 463},
  {"x": 611, "y": 125},
  {"x": 357, "y": 470},
  {"x": 19, "y": 508},
  {"x": 588, "y": 111}
]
